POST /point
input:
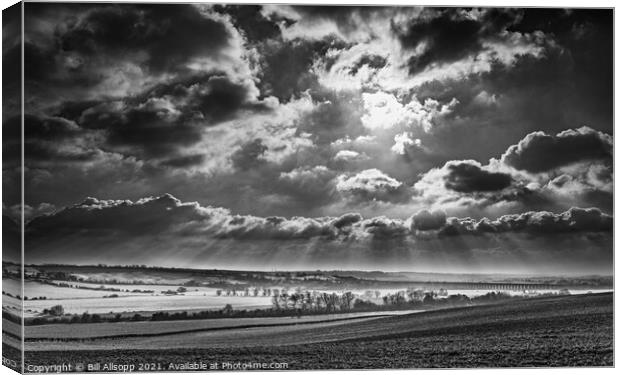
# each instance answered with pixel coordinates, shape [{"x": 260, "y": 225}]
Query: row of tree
[
  {"x": 328, "y": 302},
  {"x": 256, "y": 292}
]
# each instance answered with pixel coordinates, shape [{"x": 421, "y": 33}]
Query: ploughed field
[
  {"x": 89, "y": 332},
  {"x": 551, "y": 331}
]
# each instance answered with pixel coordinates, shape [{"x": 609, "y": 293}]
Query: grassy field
[{"x": 554, "y": 331}]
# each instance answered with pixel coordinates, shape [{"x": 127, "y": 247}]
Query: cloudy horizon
[{"x": 474, "y": 140}]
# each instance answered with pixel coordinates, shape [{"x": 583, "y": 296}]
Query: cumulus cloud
[
  {"x": 540, "y": 152},
  {"x": 540, "y": 223},
  {"x": 372, "y": 184},
  {"x": 464, "y": 183},
  {"x": 426, "y": 220},
  {"x": 403, "y": 142},
  {"x": 469, "y": 176},
  {"x": 385, "y": 228},
  {"x": 384, "y": 111},
  {"x": 314, "y": 184},
  {"x": 561, "y": 180},
  {"x": 155, "y": 226},
  {"x": 349, "y": 155},
  {"x": 166, "y": 215}
]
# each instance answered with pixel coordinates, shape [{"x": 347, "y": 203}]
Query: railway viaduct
[{"x": 487, "y": 286}]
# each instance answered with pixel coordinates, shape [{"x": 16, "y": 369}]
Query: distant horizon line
[{"x": 275, "y": 270}]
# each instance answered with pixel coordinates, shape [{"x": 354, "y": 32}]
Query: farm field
[
  {"x": 553, "y": 331},
  {"x": 34, "y": 289},
  {"x": 139, "y": 303},
  {"x": 78, "y": 301},
  {"x": 90, "y": 330},
  {"x": 156, "y": 288}
]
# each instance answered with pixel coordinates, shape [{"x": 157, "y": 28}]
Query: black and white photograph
[{"x": 207, "y": 186}]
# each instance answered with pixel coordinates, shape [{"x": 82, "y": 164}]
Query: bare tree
[
  {"x": 276, "y": 302},
  {"x": 347, "y": 298},
  {"x": 294, "y": 298}
]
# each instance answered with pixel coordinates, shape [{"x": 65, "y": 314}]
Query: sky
[{"x": 307, "y": 137}]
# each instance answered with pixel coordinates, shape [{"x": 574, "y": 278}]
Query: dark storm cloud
[
  {"x": 468, "y": 177},
  {"x": 535, "y": 223},
  {"x": 372, "y": 61},
  {"x": 47, "y": 140},
  {"x": 49, "y": 128},
  {"x": 449, "y": 36},
  {"x": 426, "y": 220},
  {"x": 184, "y": 161},
  {"x": 588, "y": 35},
  {"x": 577, "y": 178},
  {"x": 11, "y": 239},
  {"x": 38, "y": 62},
  {"x": 315, "y": 185},
  {"x": 11, "y": 61},
  {"x": 560, "y": 21},
  {"x": 72, "y": 110},
  {"x": 214, "y": 98},
  {"x": 286, "y": 65},
  {"x": 337, "y": 115},
  {"x": 510, "y": 100},
  {"x": 160, "y": 106},
  {"x": 11, "y": 109},
  {"x": 94, "y": 217},
  {"x": 170, "y": 116},
  {"x": 540, "y": 152},
  {"x": 11, "y": 140},
  {"x": 447, "y": 39},
  {"x": 249, "y": 155},
  {"x": 250, "y": 20},
  {"x": 152, "y": 130},
  {"x": 168, "y": 35},
  {"x": 101, "y": 51}
]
